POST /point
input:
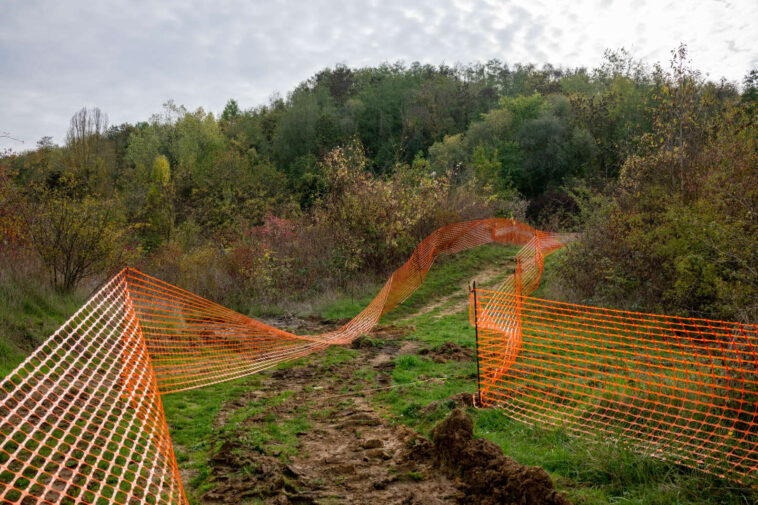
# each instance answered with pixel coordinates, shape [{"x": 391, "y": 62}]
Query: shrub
[
  {"x": 676, "y": 241},
  {"x": 13, "y": 233},
  {"x": 76, "y": 238}
]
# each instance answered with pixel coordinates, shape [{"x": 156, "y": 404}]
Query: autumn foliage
[{"x": 334, "y": 184}]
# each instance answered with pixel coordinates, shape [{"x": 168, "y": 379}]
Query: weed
[{"x": 415, "y": 476}]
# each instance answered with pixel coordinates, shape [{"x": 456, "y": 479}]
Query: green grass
[
  {"x": 30, "y": 311},
  {"x": 408, "y": 403},
  {"x": 348, "y": 305}
]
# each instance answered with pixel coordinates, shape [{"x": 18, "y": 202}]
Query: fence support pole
[{"x": 476, "y": 345}]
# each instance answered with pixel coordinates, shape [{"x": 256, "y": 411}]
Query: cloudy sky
[{"x": 130, "y": 56}]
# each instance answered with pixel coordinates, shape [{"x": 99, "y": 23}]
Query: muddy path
[
  {"x": 330, "y": 445},
  {"x": 346, "y": 452}
]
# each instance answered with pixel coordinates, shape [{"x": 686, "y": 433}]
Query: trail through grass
[
  {"x": 421, "y": 392},
  {"x": 589, "y": 471}
]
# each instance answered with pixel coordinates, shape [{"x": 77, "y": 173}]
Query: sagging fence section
[{"x": 81, "y": 419}]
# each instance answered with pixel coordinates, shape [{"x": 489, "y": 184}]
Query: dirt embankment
[{"x": 349, "y": 454}]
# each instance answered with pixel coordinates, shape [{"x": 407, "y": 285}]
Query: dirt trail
[
  {"x": 348, "y": 453},
  {"x": 454, "y": 303}
]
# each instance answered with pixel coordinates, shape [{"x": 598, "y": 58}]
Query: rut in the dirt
[{"x": 351, "y": 455}]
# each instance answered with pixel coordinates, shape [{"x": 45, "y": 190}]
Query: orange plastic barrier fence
[
  {"x": 81, "y": 419},
  {"x": 676, "y": 388}
]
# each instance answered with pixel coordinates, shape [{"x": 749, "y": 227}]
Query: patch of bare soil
[
  {"x": 304, "y": 325},
  {"x": 350, "y": 455},
  {"x": 449, "y": 351}
]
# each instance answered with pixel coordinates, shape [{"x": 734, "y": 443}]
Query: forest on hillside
[{"x": 336, "y": 183}]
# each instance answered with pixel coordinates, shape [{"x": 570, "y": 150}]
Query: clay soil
[{"x": 352, "y": 454}]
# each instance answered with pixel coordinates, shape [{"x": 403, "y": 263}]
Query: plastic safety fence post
[{"x": 476, "y": 345}]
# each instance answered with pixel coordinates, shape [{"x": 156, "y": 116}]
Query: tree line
[{"x": 339, "y": 180}]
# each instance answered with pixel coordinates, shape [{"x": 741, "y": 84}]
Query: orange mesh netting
[
  {"x": 81, "y": 420},
  {"x": 676, "y": 388}
]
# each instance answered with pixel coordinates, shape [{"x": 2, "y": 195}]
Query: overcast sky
[{"x": 130, "y": 56}]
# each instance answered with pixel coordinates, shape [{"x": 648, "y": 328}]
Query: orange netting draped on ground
[
  {"x": 677, "y": 388},
  {"x": 81, "y": 419}
]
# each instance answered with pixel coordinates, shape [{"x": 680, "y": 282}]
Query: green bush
[{"x": 678, "y": 233}]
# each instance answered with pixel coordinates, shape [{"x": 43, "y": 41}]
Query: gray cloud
[{"x": 128, "y": 57}]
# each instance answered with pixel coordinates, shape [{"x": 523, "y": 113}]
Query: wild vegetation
[
  {"x": 331, "y": 187},
  {"x": 676, "y": 231},
  {"x": 312, "y": 198}
]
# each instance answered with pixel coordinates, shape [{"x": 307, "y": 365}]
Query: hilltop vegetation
[{"x": 336, "y": 183}]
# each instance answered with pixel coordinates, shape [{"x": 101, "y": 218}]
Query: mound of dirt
[
  {"x": 488, "y": 477},
  {"x": 449, "y": 351}
]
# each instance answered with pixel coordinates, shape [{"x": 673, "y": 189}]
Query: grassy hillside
[{"x": 29, "y": 313}]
